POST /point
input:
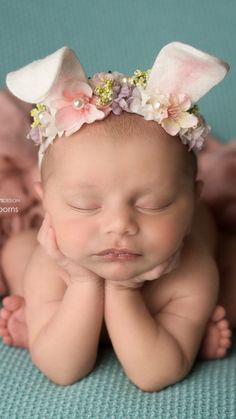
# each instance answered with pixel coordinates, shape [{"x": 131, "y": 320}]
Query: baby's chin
[{"x": 117, "y": 271}]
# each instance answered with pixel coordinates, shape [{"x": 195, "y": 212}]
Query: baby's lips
[{"x": 117, "y": 251}]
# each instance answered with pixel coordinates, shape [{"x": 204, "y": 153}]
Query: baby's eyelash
[
  {"x": 83, "y": 209},
  {"x": 80, "y": 209},
  {"x": 155, "y": 208}
]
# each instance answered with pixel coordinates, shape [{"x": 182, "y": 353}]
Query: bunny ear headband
[{"x": 66, "y": 98}]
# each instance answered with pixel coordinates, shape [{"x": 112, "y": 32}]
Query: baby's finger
[
  {"x": 47, "y": 239},
  {"x": 42, "y": 233},
  {"x": 47, "y": 220},
  {"x": 52, "y": 246}
]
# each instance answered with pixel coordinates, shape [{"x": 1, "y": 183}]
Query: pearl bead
[
  {"x": 157, "y": 105},
  {"x": 125, "y": 80},
  {"x": 40, "y": 116},
  {"x": 78, "y": 103},
  {"x": 44, "y": 117}
]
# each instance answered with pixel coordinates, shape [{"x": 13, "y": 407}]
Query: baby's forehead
[
  {"x": 114, "y": 130},
  {"x": 119, "y": 130}
]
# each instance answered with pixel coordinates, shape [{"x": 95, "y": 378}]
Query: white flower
[
  {"x": 169, "y": 111},
  {"x": 152, "y": 107}
]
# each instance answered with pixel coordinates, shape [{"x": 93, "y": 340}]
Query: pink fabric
[{"x": 18, "y": 169}]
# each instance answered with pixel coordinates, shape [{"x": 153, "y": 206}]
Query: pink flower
[
  {"x": 75, "y": 108},
  {"x": 178, "y": 117},
  {"x": 169, "y": 111}
]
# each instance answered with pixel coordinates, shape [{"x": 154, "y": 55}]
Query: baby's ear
[{"x": 38, "y": 190}]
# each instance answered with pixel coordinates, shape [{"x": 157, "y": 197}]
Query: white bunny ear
[
  {"x": 180, "y": 68},
  {"x": 34, "y": 82}
]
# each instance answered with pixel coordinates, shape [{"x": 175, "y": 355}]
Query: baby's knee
[{"x": 17, "y": 251}]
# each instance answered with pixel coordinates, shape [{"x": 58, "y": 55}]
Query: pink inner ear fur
[
  {"x": 190, "y": 71},
  {"x": 182, "y": 69}
]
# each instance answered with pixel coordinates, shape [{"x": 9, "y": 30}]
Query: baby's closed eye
[
  {"x": 84, "y": 206},
  {"x": 153, "y": 203}
]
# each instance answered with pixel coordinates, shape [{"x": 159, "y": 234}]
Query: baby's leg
[
  {"x": 217, "y": 335},
  {"x": 218, "y": 327},
  {"x": 15, "y": 256},
  {"x": 227, "y": 267}
]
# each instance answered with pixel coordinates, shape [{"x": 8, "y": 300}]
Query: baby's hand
[
  {"x": 47, "y": 238},
  {"x": 151, "y": 275},
  {"x": 137, "y": 281}
]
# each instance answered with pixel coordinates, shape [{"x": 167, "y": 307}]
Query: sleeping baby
[{"x": 127, "y": 252}]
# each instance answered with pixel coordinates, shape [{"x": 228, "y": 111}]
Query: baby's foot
[
  {"x": 217, "y": 336},
  {"x": 12, "y": 322}
]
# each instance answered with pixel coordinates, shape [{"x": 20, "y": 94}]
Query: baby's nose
[{"x": 120, "y": 222}]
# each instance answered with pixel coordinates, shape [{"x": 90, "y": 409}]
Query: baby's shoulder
[
  {"x": 43, "y": 280},
  {"x": 42, "y": 266},
  {"x": 197, "y": 271},
  {"x": 41, "y": 259},
  {"x": 195, "y": 281}
]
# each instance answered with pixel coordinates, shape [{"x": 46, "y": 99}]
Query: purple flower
[
  {"x": 196, "y": 137},
  {"x": 35, "y": 135},
  {"x": 121, "y": 98}
]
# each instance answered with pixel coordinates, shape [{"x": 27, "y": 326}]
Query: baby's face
[{"x": 108, "y": 193}]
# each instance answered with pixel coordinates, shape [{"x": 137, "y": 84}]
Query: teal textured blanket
[{"x": 207, "y": 393}]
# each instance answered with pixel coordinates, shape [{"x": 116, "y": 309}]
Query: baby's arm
[
  {"x": 159, "y": 349},
  {"x": 64, "y": 322}
]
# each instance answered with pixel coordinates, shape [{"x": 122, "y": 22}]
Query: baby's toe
[
  {"x": 218, "y": 314},
  {"x": 12, "y": 302},
  {"x": 3, "y": 331},
  {"x": 3, "y": 323},
  {"x": 7, "y": 340},
  {"x": 5, "y": 314},
  {"x": 226, "y": 333},
  {"x": 220, "y": 352},
  {"x": 225, "y": 343},
  {"x": 223, "y": 324}
]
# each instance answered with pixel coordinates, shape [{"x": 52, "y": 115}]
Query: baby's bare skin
[
  {"x": 157, "y": 297},
  {"x": 155, "y": 328}
]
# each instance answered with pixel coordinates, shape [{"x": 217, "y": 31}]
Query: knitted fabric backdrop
[{"x": 122, "y": 36}]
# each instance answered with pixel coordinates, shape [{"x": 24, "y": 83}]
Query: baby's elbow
[
  {"x": 159, "y": 384},
  {"x": 66, "y": 380},
  {"x": 149, "y": 385},
  {"x": 158, "y": 380},
  {"x": 61, "y": 375},
  {"x": 62, "y": 378}
]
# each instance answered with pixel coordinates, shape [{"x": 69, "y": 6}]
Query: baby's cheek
[
  {"x": 168, "y": 235},
  {"x": 163, "y": 236},
  {"x": 73, "y": 237}
]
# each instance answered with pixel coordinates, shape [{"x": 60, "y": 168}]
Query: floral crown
[{"x": 66, "y": 98}]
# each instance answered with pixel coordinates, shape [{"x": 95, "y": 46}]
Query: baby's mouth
[{"x": 118, "y": 254}]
